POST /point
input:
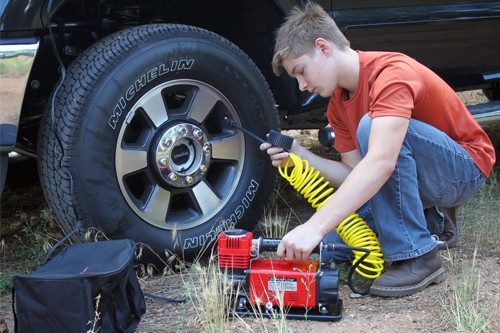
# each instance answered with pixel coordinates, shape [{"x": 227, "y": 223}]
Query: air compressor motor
[{"x": 297, "y": 289}]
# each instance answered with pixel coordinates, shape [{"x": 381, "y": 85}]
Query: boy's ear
[{"x": 323, "y": 45}]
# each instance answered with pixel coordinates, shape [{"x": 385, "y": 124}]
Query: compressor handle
[
  {"x": 271, "y": 245},
  {"x": 268, "y": 244}
]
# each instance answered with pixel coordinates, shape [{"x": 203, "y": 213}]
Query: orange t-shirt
[{"x": 392, "y": 84}]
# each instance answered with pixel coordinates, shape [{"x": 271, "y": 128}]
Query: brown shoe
[
  {"x": 407, "y": 277},
  {"x": 449, "y": 236}
]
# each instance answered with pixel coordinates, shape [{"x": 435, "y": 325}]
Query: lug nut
[
  {"x": 197, "y": 134},
  {"x": 203, "y": 168},
  {"x": 167, "y": 142},
  {"x": 182, "y": 130},
  {"x": 35, "y": 84},
  {"x": 172, "y": 177},
  {"x": 164, "y": 161},
  {"x": 206, "y": 148},
  {"x": 189, "y": 179}
]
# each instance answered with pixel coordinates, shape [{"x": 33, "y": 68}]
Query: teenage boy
[{"x": 407, "y": 143}]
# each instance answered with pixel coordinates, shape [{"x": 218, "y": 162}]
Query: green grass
[
  {"x": 479, "y": 218},
  {"x": 464, "y": 308},
  {"x": 479, "y": 229},
  {"x": 17, "y": 66},
  {"x": 26, "y": 249}
]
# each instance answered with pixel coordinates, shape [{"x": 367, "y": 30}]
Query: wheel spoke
[
  {"x": 130, "y": 160},
  {"x": 154, "y": 106},
  {"x": 157, "y": 206},
  {"x": 204, "y": 101},
  {"x": 228, "y": 148},
  {"x": 206, "y": 197}
]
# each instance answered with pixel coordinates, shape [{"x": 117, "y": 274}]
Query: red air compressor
[{"x": 305, "y": 289}]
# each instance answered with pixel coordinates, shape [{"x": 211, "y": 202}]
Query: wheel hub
[{"x": 182, "y": 155}]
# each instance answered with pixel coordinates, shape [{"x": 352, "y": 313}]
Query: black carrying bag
[{"x": 87, "y": 287}]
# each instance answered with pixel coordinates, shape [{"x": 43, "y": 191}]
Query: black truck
[{"x": 124, "y": 103}]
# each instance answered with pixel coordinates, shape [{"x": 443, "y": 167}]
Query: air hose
[
  {"x": 353, "y": 230},
  {"x": 309, "y": 183}
]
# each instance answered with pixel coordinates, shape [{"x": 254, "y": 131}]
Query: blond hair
[{"x": 297, "y": 35}]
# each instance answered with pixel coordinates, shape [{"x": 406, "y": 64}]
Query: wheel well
[
  {"x": 78, "y": 24},
  {"x": 248, "y": 24}
]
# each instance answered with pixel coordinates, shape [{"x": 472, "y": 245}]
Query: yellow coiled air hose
[{"x": 353, "y": 230}]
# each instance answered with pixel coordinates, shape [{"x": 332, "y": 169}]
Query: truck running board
[{"x": 486, "y": 113}]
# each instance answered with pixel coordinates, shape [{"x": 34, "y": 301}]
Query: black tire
[
  {"x": 138, "y": 114},
  {"x": 4, "y": 164},
  {"x": 493, "y": 92},
  {"x": 22, "y": 172}
]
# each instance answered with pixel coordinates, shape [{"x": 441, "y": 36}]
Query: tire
[
  {"x": 4, "y": 164},
  {"x": 137, "y": 145},
  {"x": 22, "y": 172},
  {"x": 493, "y": 92}
]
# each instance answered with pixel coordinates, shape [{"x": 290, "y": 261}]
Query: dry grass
[
  {"x": 212, "y": 292},
  {"x": 274, "y": 223},
  {"x": 209, "y": 290},
  {"x": 464, "y": 308},
  {"x": 480, "y": 218}
]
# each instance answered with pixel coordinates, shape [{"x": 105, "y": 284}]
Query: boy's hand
[
  {"x": 277, "y": 154},
  {"x": 299, "y": 243}
]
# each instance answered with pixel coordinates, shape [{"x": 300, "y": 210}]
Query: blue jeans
[{"x": 432, "y": 170}]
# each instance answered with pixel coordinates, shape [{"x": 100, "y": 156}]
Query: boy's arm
[{"x": 364, "y": 181}]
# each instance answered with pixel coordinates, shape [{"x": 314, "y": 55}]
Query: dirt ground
[{"x": 418, "y": 313}]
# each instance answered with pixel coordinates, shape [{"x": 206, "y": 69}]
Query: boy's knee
[{"x": 363, "y": 133}]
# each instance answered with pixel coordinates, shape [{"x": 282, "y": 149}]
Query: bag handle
[{"x": 47, "y": 256}]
